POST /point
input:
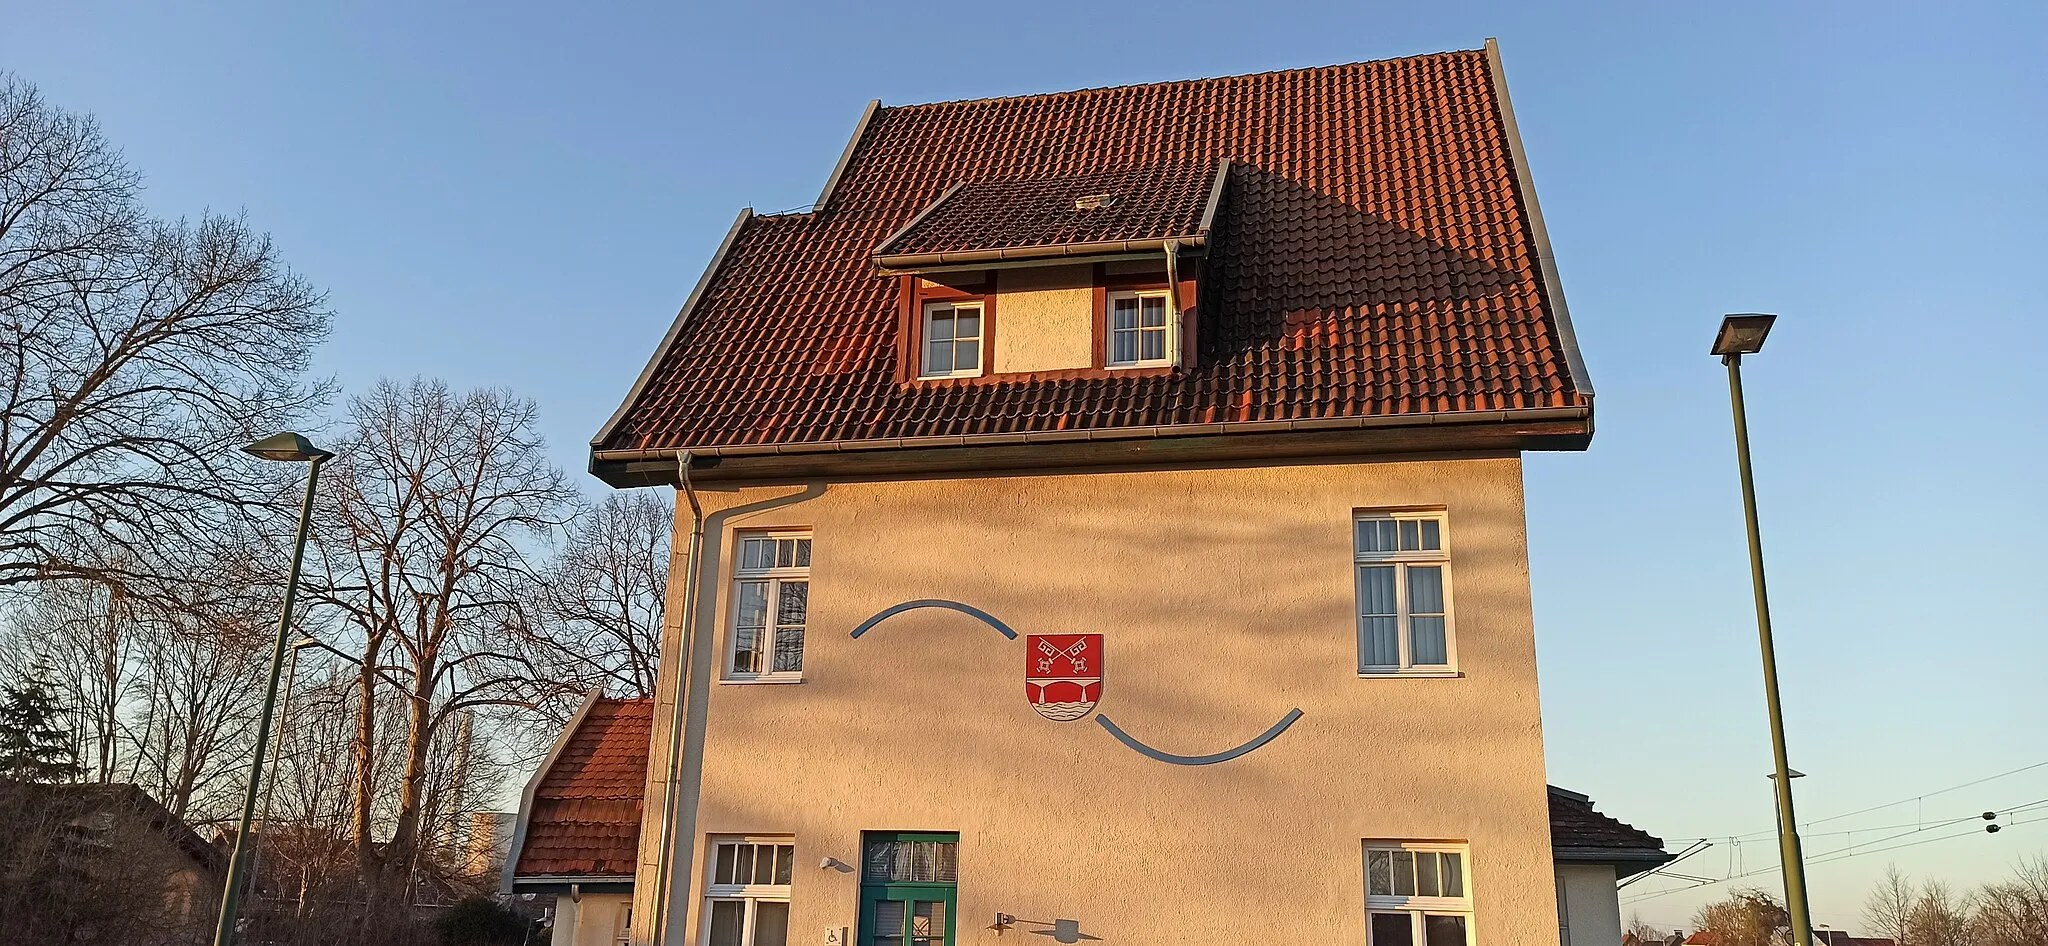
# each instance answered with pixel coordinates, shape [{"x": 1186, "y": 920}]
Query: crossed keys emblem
[{"x": 1072, "y": 655}]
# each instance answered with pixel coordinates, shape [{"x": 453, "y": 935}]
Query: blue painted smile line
[
  {"x": 1126, "y": 738},
  {"x": 1210, "y": 759}
]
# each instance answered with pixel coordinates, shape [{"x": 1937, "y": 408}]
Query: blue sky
[{"x": 522, "y": 194}]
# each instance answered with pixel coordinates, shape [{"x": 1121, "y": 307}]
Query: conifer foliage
[{"x": 35, "y": 746}]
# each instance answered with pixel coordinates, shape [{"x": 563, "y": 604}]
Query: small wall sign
[{"x": 1063, "y": 674}]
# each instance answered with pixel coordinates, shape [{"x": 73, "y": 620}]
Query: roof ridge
[{"x": 1192, "y": 80}]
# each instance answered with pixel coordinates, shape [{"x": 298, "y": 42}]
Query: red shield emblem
[{"x": 1063, "y": 674}]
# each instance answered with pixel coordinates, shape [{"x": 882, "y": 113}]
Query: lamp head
[
  {"x": 1743, "y": 333},
  {"x": 288, "y": 447}
]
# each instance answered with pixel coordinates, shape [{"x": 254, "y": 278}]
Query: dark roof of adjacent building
[
  {"x": 130, "y": 802},
  {"x": 1579, "y": 832},
  {"x": 1378, "y": 258},
  {"x": 581, "y": 816},
  {"x": 1057, "y": 214}
]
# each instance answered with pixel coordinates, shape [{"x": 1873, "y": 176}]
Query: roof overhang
[
  {"x": 562, "y": 883},
  {"x": 1626, "y": 861},
  {"x": 1123, "y": 448}
]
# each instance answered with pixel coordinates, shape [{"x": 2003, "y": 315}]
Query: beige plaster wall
[
  {"x": 1043, "y": 319},
  {"x": 1226, "y": 598},
  {"x": 592, "y": 921}
]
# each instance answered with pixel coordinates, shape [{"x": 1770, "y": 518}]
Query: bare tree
[
  {"x": 1643, "y": 931},
  {"x": 135, "y": 355},
  {"x": 426, "y": 545},
  {"x": 1889, "y": 910},
  {"x": 600, "y": 609},
  {"x": 1940, "y": 918},
  {"x": 1746, "y": 918},
  {"x": 2014, "y": 912}
]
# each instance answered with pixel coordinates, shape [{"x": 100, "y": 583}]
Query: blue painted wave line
[
  {"x": 1211, "y": 759},
  {"x": 967, "y": 609}
]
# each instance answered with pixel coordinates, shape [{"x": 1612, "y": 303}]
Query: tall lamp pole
[
  {"x": 287, "y": 447},
  {"x": 1744, "y": 335}
]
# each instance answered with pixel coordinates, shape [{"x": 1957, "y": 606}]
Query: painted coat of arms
[{"x": 1063, "y": 674}]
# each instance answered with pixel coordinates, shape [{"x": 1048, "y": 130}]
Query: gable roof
[
  {"x": 1580, "y": 833},
  {"x": 1379, "y": 260},
  {"x": 1048, "y": 216},
  {"x": 581, "y": 815}
]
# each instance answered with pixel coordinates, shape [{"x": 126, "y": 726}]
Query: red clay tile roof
[
  {"x": 585, "y": 817},
  {"x": 1374, "y": 256},
  {"x": 1147, "y": 202}
]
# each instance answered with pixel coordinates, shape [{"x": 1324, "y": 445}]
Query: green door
[{"x": 909, "y": 886}]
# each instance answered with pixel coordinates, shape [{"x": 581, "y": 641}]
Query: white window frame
[
  {"x": 1418, "y": 907},
  {"x": 1400, "y": 561},
  {"x": 924, "y": 338},
  {"x": 1169, "y": 341},
  {"x": 775, "y": 577},
  {"x": 751, "y": 894}
]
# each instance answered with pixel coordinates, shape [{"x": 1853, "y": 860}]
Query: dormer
[{"x": 1057, "y": 276}]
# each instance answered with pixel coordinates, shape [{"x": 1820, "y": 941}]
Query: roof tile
[{"x": 585, "y": 817}]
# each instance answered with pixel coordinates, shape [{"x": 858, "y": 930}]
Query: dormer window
[
  {"x": 952, "y": 340},
  {"x": 1140, "y": 334}
]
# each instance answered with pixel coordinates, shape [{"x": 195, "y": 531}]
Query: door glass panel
[
  {"x": 889, "y": 915},
  {"x": 927, "y": 922},
  {"x": 728, "y": 922},
  {"x": 771, "y": 923},
  {"x": 1443, "y": 930},
  {"x": 1393, "y": 929}
]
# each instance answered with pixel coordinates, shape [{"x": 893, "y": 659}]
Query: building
[
  {"x": 1101, "y": 517},
  {"x": 578, "y": 834},
  {"x": 103, "y": 863}
]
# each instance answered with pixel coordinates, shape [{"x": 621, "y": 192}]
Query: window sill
[
  {"x": 764, "y": 678},
  {"x": 1409, "y": 674}
]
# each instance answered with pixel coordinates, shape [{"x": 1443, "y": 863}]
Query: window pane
[
  {"x": 1410, "y": 535},
  {"x": 728, "y": 921},
  {"x": 743, "y": 865},
  {"x": 1123, "y": 347},
  {"x": 723, "y": 873},
  {"x": 948, "y": 866},
  {"x": 881, "y": 860},
  {"x": 940, "y": 360},
  {"x": 1454, "y": 875},
  {"x": 889, "y": 916},
  {"x": 1392, "y": 929},
  {"x": 1380, "y": 642},
  {"x": 927, "y": 922},
  {"x": 785, "y": 553},
  {"x": 792, "y": 603},
  {"x": 753, "y": 605},
  {"x": 1443, "y": 930},
  {"x": 764, "y": 863},
  {"x": 785, "y": 856},
  {"x": 1124, "y": 314},
  {"x": 1376, "y": 590},
  {"x": 1425, "y": 875},
  {"x": 1151, "y": 345},
  {"x": 1430, "y": 646},
  {"x": 1379, "y": 873},
  {"x": 1375, "y": 535},
  {"x": 771, "y": 923},
  {"x": 1404, "y": 873},
  {"x": 967, "y": 323},
  {"x": 940, "y": 328},
  {"x": 1154, "y": 310},
  {"x": 754, "y": 553},
  {"x": 1425, "y": 589},
  {"x": 803, "y": 553},
  {"x": 746, "y": 650},
  {"x": 1432, "y": 535},
  {"x": 789, "y": 649},
  {"x": 967, "y": 355}
]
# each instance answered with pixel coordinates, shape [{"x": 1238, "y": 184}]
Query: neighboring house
[
  {"x": 1842, "y": 938},
  {"x": 104, "y": 864},
  {"x": 579, "y": 823},
  {"x": 1593, "y": 853},
  {"x": 1674, "y": 938},
  {"x": 1101, "y": 517}
]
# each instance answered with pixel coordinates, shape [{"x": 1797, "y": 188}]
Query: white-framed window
[
  {"x": 771, "y": 600},
  {"x": 1140, "y": 329},
  {"x": 747, "y": 895},
  {"x": 622, "y": 926},
  {"x": 952, "y": 340},
  {"x": 1417, "y": 894},
  {"x": 1404, "y": 593}
]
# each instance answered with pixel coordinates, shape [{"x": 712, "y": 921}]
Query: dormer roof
[
  {"x": 1376, "y": 279},
  {"x": 1062, "y": 216}
]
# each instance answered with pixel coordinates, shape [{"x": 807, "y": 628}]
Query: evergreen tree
[{"x": 34, "y": 745}]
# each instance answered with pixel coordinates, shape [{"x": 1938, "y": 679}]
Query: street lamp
[
  {"x": 292, "y": 448},
  {"x": 1740, "y": 335}
]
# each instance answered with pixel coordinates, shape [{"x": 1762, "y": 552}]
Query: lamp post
[
  {"x": 291, "y": 448},
  {"x": 1740, "y": 335}
]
